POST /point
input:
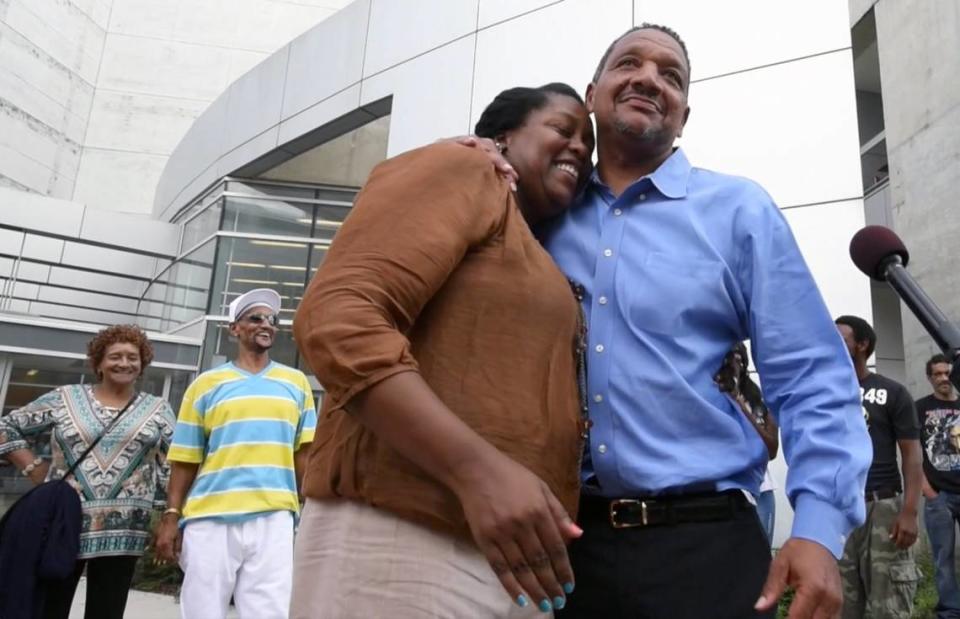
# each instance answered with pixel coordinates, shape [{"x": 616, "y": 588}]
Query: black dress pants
[
  {"x": 703, "y": 570},
  {"x": 108, "y": 583}
]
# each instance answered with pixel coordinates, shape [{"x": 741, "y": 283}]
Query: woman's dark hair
[
  {"x": 127, "y": 334},
  {"x": 510, "y": 108}
]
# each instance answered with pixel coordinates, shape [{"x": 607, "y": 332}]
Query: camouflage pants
[{"x": 879, "y": 579}]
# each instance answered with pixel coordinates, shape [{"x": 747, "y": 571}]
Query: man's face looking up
[{"x": 642, "y": 90}]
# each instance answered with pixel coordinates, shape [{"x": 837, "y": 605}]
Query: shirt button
[
  {"x": 599, "y": 348},
  {"x": 598, "y": 398},
  {"x": 602, "y": 300},
  {"x": 617, "y": 212},
  {"x": 642, "y": 197},
  {"x": 602, "y": 449},
  {"x": 608, "y": 252}
]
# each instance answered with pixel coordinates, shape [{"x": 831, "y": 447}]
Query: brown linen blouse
[{"x": 435, "y": 271}]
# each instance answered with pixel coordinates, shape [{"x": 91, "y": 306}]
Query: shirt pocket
[{"x": 666, "y": 293}]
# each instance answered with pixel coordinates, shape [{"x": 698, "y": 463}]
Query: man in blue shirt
[{"x": 679, "y": 263}]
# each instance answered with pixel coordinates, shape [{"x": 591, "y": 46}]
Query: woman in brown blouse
[{"x": 444, "y": 473}]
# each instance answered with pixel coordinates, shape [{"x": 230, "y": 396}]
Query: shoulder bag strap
[{"x": 102, "y": 434}]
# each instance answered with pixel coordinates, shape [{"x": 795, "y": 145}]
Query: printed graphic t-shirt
[{"x": 940, "y": 438}]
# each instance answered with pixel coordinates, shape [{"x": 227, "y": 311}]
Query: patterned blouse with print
[{"x": 122, "y": 480}]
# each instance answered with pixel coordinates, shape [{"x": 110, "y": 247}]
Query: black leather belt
[
  {"x": 879, "y": 495},
  {"x": 627, "y": 513}
]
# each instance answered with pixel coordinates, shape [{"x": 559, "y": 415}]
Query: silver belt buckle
[{"x": 617, "y": 503}]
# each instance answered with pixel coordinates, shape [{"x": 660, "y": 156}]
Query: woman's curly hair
[{"x": 127, "y": 334}]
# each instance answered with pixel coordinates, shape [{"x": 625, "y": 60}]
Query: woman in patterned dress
[{"x": 119, "y": 483}]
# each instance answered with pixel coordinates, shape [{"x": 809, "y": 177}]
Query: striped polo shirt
[{"x": 243, "y": 429}]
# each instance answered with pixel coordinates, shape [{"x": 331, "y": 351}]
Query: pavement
[{"x": 140, "y": 605}]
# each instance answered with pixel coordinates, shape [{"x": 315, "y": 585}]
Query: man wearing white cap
[{"x": 236, "y": 460}]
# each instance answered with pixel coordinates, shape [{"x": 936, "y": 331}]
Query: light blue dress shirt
[{"x": 676, "y": 269}]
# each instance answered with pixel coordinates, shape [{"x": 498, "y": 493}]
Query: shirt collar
[{"x": 670, "y": 178}]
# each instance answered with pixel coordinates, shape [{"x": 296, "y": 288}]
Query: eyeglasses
[{"x": 270, "y": 319}]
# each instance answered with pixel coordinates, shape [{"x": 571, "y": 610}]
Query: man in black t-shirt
[
  {"x": 877, "y": 568},
  {"x": 939, "y": 416}
]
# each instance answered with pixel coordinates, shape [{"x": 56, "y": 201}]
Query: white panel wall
[
  {"x": 426, "y": 24},
  {"x": 445, "y": 112},
  {"x": 522, "y": 51},
  {"x": 823, "y": 232},
  {"x": 769, "y": 124},
  {"x": 723, "y": 37},
  {"x": 495, "y": 11},
  {"x": 321, "y": 66}
]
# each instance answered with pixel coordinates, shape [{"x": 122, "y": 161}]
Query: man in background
[
  {"x": 236, "y": 463},
  {"x": 877, "y": 568},
  {"x": 939, "y": 416}
]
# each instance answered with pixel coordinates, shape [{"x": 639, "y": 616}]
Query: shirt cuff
[
  {"x": 13, "y": 446},
  {"x": 821, "y": 522}
]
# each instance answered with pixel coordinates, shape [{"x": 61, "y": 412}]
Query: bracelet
[
  {"x": 30, "y": 467},
  {"x": 171, "y": 510}
]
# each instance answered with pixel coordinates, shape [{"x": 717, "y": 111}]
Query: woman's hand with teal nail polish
[
  {"x": 522, "y": 601},
  {"x": 559, "y": 602},
  {"x": 568, "y": 588},
  {"x": 545, "y": 606}
]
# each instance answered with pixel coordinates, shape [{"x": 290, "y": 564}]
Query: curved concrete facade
[
  {"x": 772, "y": 98},
  {"x": 95, "y": 94}
]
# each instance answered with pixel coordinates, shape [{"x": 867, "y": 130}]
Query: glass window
[
  {"x": 179, "y": 381},
  {"x": 245, "y": 264},
  {"x": 31, "y": 376},
  {"x": 265, "y": 216},
  {"x": 155, "y": 378},
  {"x": 329, "y": 219},
  {"x": 152, "y": 381},
  {"x": 180, "y": 293},
  {"x": 203, "y": 225},
  {"x": 257, "y": 189}
]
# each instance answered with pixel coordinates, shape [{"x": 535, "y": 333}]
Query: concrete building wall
[
  {"x": 95, "y": 94},
  {"x": 919, "y": 51},
  {"x": 49, "y": 58}
]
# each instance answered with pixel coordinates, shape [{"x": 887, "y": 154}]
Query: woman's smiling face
[
  {"x": 551, "y": 153},
  {"x": 121, "y": 364}
]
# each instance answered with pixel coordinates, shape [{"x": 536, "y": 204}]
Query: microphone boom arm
[{"x": 943, "y": 332}]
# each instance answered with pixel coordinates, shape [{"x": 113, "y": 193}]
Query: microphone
[{"x": 881, "y": 255}]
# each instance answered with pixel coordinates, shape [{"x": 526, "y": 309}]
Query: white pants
[
  {"x": 353, "y": 561},
  {"x": 250, "y": 560}
]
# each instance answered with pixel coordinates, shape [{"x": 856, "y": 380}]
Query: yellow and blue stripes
[{"x": 243, "y": 429}]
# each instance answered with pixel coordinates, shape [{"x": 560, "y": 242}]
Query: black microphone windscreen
[{"x": 872, "y": 245}]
